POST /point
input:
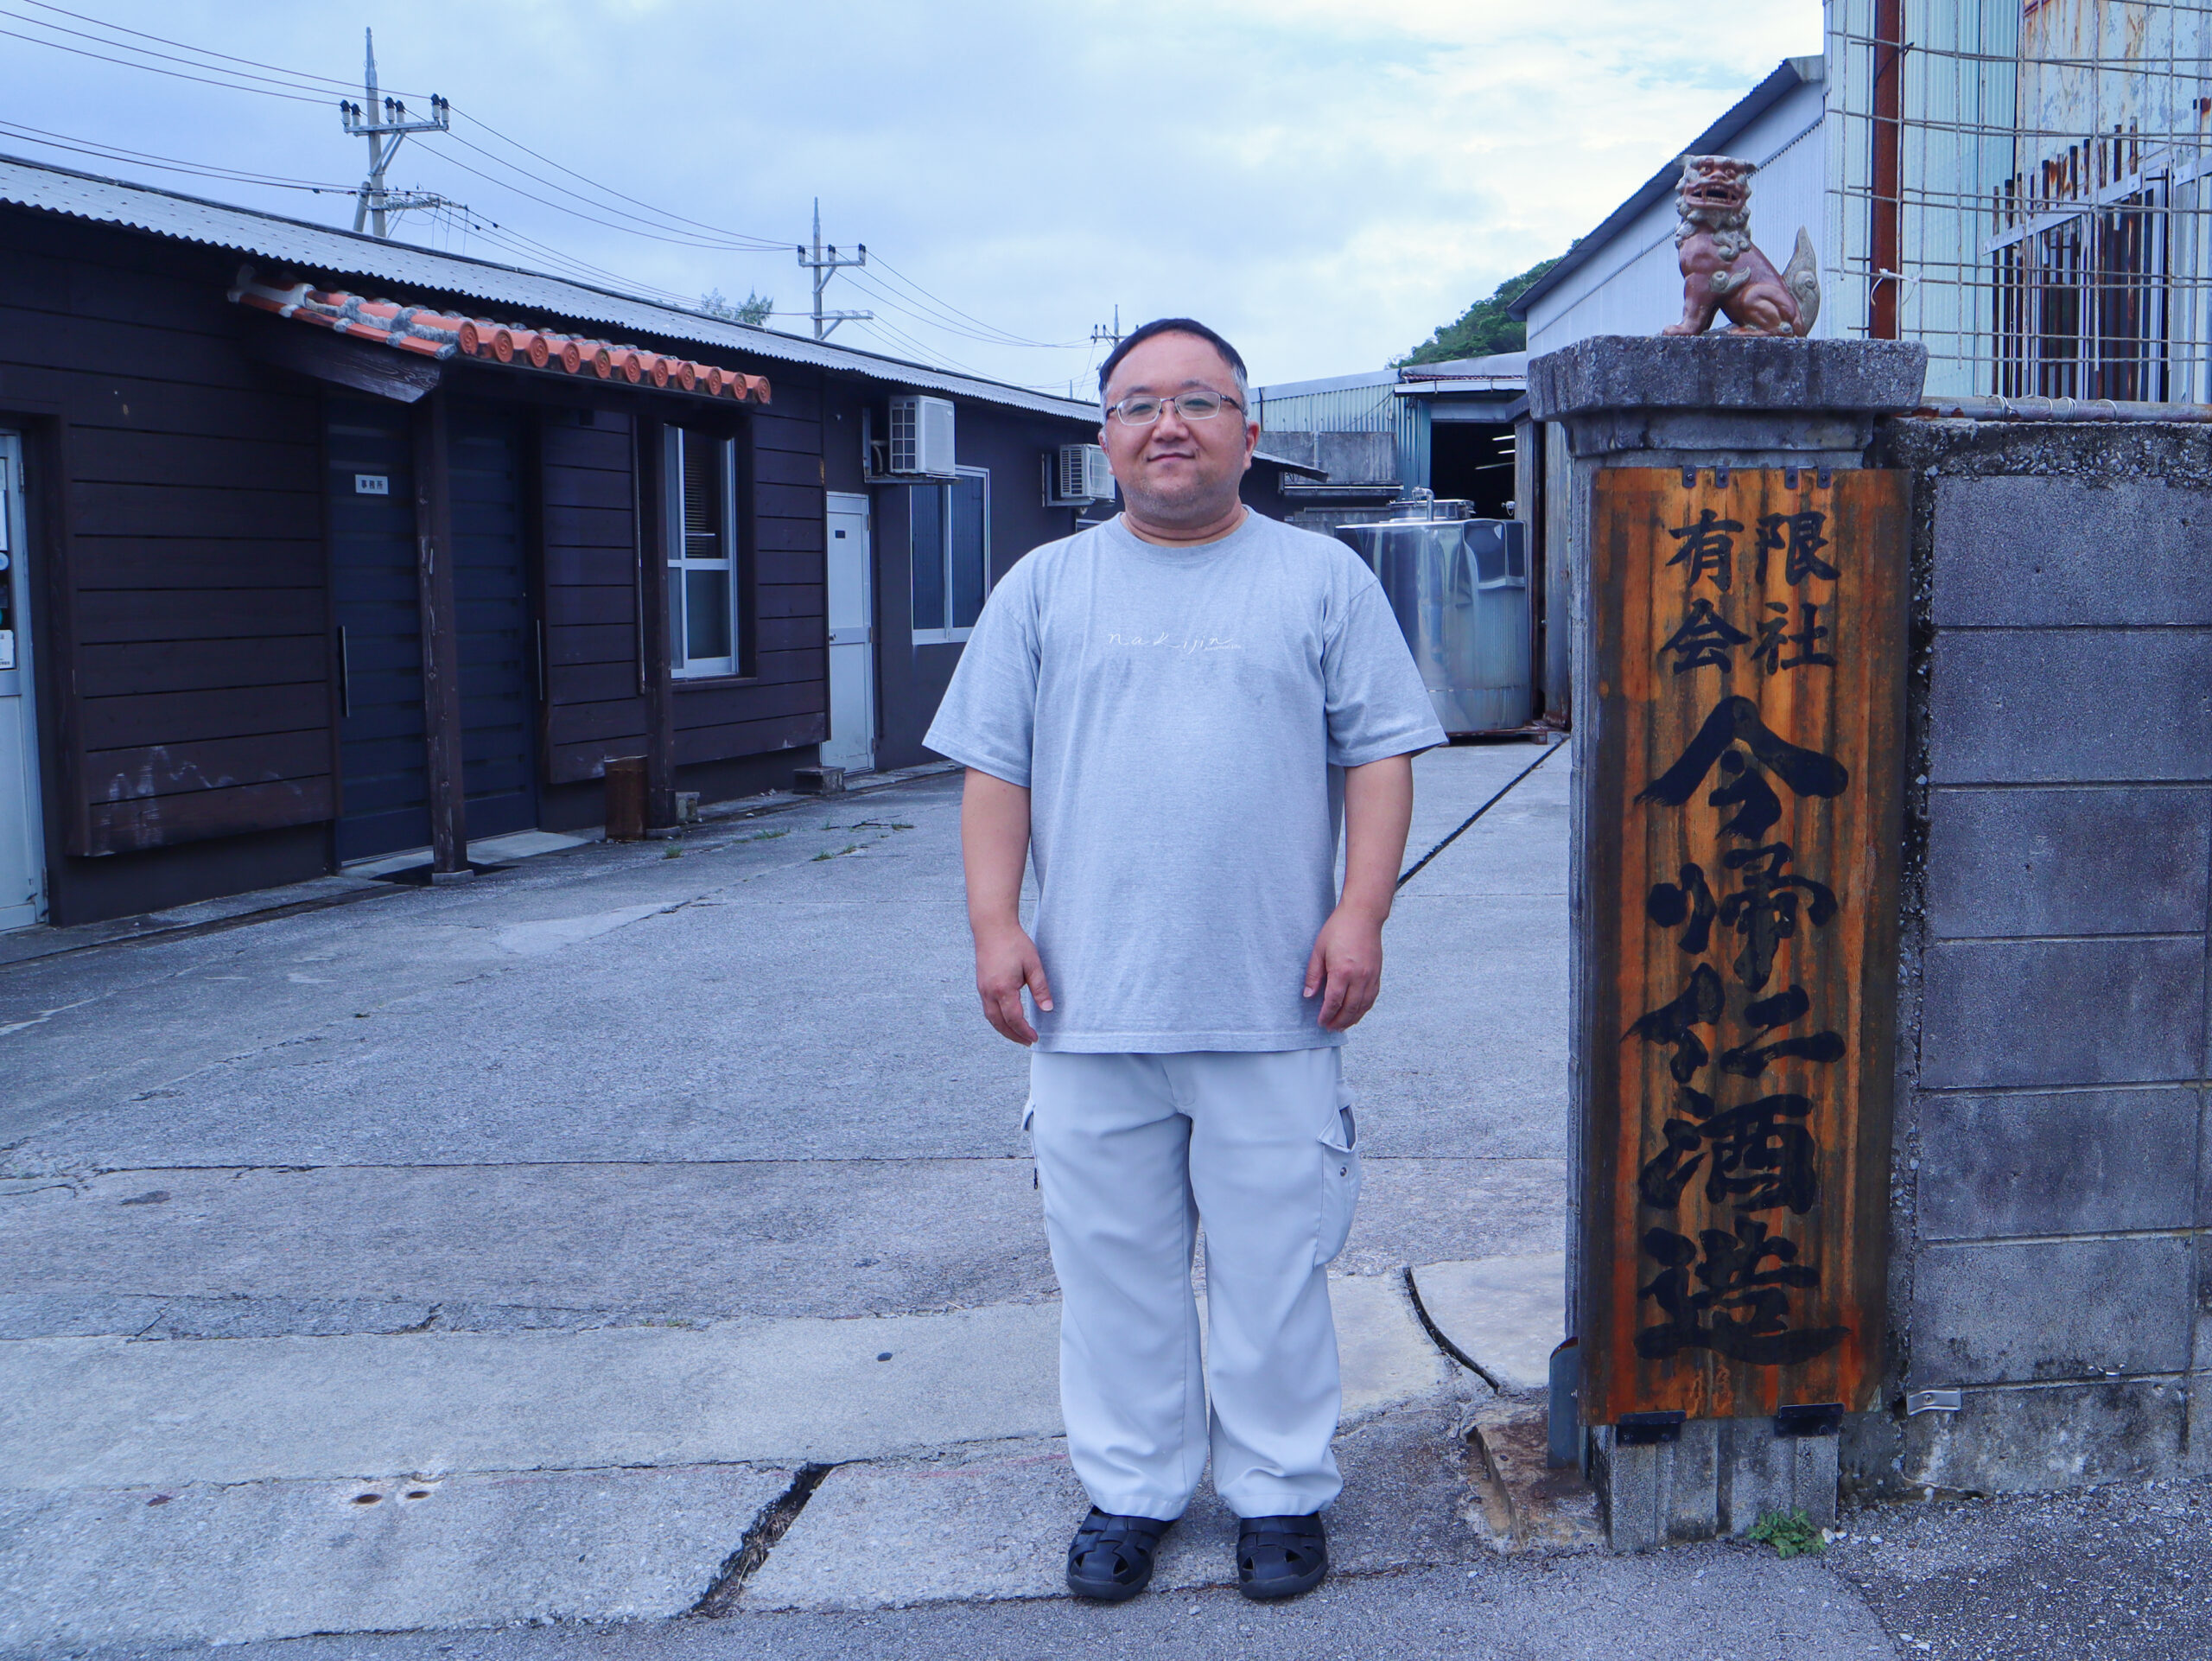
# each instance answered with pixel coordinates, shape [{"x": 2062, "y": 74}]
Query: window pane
[
  {"x": 703, "y": 496},
  {"x": 968, "y": 541},
  {"x": 706, "y": 614},
  {"x": 925, "y": 507}
]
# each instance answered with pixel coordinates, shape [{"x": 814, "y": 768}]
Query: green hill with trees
[{"x": 1482, "y": 328}]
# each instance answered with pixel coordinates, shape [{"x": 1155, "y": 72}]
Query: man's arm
[
  {"x": 1346, "y": 967},
  {"x": 994, "y": 845}
]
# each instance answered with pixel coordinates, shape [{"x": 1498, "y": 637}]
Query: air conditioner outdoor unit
[
  {"x": 1077, "y": 475},
  {"x": 921, "y": 437}
]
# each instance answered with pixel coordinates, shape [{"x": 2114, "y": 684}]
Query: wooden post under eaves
[
  {"x": 441, "y": 640},
  {"x": 656, "y": 655}
]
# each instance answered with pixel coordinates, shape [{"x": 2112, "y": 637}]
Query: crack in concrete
[
  {"x": 775, "y": 1520},
  {"x": 1436, "y": 1334}
]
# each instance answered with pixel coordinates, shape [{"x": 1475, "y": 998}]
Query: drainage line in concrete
[
  {"x": 774, "y": 1523},
  {"x": 1436, "y": 1333},
  {"x": 1414, "y": 870}
]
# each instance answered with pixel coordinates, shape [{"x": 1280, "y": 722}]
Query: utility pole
[
  {"x": 824, "y": 266},
  {"x": 362, "y": 120},
  {"x": 1109, "y": 338}
]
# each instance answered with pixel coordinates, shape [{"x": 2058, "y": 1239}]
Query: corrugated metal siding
[{"x": 1364, "y": 409}]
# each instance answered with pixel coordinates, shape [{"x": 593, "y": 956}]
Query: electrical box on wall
[
  {"x": 921, "y": 437},
  {"x": 1077, "y": 475}
]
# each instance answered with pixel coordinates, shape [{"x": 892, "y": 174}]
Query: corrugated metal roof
[
  {"x": 1497, "y": 367},
  {"x": 1331, "y": 384},
  {"x": 401, "y": 266},
  {"x": 1787, "y": 77}
]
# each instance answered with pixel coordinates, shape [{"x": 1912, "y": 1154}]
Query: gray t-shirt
[{"x": 1179, "y": 716}]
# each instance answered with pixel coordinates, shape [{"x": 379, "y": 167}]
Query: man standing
[{"x": 1174, "y": 710}]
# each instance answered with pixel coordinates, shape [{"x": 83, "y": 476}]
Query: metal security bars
[{"x": 2021, "y": 186}]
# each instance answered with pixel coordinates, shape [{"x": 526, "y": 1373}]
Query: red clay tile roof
[{"x": 434, "y": 334}]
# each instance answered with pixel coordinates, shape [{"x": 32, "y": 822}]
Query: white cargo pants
[{"x": 1133, "y": 1151}]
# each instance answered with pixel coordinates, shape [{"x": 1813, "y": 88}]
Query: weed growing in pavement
[
  {"x": 837, "y": 853},
  {"x": 672, "y": 853},
  {"x": 766, "y": 836},
  {"x": 1790, "y": 1533}
]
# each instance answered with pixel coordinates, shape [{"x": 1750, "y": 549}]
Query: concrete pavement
[{"x": 521, "y": 1251}]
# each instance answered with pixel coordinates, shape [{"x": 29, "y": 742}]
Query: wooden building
[{"x": 320, "y": 548}]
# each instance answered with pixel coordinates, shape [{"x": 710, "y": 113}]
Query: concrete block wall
[{"x": 2049, "y": 1258}]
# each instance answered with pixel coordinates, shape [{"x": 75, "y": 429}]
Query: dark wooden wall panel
[
  {"x": 196, "y": 703},
  {"x": 750, "y": 737},
  {"x": 588, "y": 492},
  {"x": 142, "y": 824},
  {"x": 184, "y": 718},
  {"x": 194, "y": 665}
]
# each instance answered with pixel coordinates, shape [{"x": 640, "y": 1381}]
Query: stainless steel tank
[{"x": 1459, "y": 588}]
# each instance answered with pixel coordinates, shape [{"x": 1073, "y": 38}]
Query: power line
[
  {"x": 229, "y": 85},
  {"x": 924, "y": 310},
  {"x": 202, "y": 169},
  {"x": 893, "y": 301},
  {"x": 301, "y": 76},
  {"x": 917, "y": 353},
  {"x": 750, "y": 245},
  {"x": 1011, "y": 338},
  {"x": 765, "y": 244},
  {"x": 123, "y": 46}
]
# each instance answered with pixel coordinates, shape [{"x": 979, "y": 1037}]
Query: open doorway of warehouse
[{"x": 1473, "y": 461}]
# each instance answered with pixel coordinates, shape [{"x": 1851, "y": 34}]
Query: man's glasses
[{"x": 1140, "y": 409}]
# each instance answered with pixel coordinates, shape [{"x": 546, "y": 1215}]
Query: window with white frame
[
  {"x": 949, "y": 530},
  {"x": 702, "y": 588}
]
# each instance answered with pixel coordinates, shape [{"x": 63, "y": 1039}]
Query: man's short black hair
[{"x": 1169, "y": 325}]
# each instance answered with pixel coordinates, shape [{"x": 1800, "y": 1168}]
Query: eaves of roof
[
  {"x": 433, "y": 334},
  {"x": 328, "y": 252},
  {"x": 1746, "y": 110},
  {"x": 1331, "y": 384},
  {"x": 1287, "y": 465},
  {"x": 1497, "y": 367}
]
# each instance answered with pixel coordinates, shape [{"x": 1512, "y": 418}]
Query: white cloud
[{"x": 1324, "y": 181}]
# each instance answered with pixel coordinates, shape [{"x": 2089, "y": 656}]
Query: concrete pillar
[{"x": 1699, "y": 403}]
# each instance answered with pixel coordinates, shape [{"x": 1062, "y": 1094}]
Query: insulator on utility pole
[
  {"x": 376, "y": 201},
  {"x": 825, "y": 263}
]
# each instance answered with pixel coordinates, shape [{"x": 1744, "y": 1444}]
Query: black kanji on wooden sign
[{"x": 1740, "y": 855}]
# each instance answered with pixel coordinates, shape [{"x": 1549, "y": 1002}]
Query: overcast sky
[{"x": 1324, "y": 180}]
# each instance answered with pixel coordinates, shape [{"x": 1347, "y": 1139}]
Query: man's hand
[
  {"x": 995, "y": 846},
  {"x": 1346, "y": 968},
  {"x": 1006, "y": 962}
]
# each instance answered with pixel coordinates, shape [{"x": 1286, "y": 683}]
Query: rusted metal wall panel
[{"x": 1741, "y": 844}]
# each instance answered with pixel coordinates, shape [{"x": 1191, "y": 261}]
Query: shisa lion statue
[{"x": 1722, "y": 272}]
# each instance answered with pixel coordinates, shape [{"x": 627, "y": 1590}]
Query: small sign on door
[
  {"x": 7, "y": 648},
  {"x": 372, "y": 484}
]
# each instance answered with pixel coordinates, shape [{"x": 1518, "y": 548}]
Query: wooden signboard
[{"x": 1740, "y": 839}]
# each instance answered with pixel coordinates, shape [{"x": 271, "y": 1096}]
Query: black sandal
[
  {"x": 1110, "y": 1557},
  {"x": 1281, "y": 1556}
]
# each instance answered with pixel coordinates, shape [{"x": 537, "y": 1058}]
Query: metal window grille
[{"x": 2022, "y": 186}]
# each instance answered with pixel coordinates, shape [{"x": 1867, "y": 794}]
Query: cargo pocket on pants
[{"x": 1339, "y": 1185}]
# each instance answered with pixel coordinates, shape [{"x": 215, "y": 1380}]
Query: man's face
[{"x": 1178, "y": 472}]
